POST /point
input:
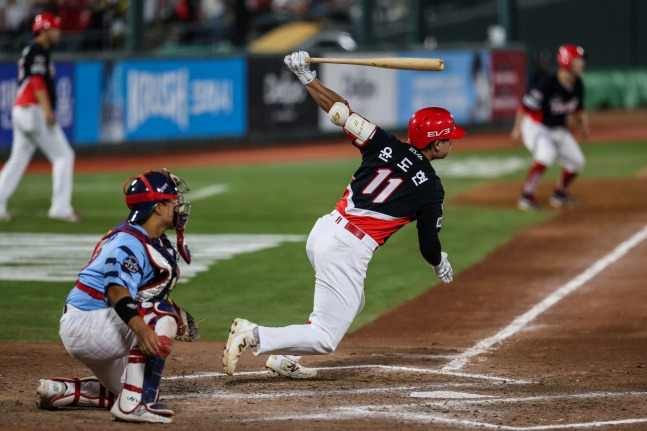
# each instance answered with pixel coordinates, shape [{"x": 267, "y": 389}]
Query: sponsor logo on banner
[
  {"x": 64, "y": 101},
  {"x": 278, "y": 102},
  {"x": 158, "y": 94},
  {"x": 282, "y": 89},
  {"x": 358, "y": 86},
  {"x": 8, "y": 88},
  {"x": 370, "y": 91},
  {"x": 509, "y": 71},
  {"x": 165, "y": 99}
]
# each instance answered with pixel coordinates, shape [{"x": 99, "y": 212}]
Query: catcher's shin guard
[
  {"x": 60, "y": 392},
  {"x": 137, "y": 402}
]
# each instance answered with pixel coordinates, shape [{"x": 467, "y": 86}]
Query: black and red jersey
[
  {"x": 35, "y": 72},
  {"x": 551, "y": 103},
  {"x": 394, "y": 185}
]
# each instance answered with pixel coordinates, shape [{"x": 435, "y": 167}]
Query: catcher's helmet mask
[
  {"x": 146, "y": 191},
  {"x": 432, "y": 124}
]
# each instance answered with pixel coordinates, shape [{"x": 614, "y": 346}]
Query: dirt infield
[{"x": 548, "y": 332}]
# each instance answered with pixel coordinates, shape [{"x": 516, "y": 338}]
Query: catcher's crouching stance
[{"x": 118, "y": 320}]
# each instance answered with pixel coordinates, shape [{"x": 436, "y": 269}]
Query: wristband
[{"x": 126, "y": 308}]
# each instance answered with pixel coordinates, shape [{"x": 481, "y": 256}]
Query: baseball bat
[{"x": 405, "y": 63}]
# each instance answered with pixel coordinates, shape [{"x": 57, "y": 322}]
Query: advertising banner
[
  {"x": 8, "y": 87},
  {"x": 65, "y": 99},
  {"x": 463, "y": 87},
  {"x": 370, "y": 91},
  {"x": 88, "y": 78},
  {"x": 277, "y": 99},
  {"x": 191, "y": 98},
  {"x": 509, "y": 72}
]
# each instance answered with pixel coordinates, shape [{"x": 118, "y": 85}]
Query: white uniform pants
[
  {"x": 101, "y": 341},
  {"x": 31, "y": 131},
  {"x": 548, "y": 145},
  {"x": 340, "y": 260}
]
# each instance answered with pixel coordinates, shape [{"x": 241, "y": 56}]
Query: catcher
[{"x": 118, "y": 320}]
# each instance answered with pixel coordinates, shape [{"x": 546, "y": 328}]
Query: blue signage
[
  {"x": 8, "y": 87},
  {"x": 191, "y": 98},
  {"x": 65, "y": 99}
]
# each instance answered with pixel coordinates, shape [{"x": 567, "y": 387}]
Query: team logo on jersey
[{"x": 131, "y": 265}]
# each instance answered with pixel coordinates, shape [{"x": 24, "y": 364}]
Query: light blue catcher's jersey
[{"x": 122, "y": 260}]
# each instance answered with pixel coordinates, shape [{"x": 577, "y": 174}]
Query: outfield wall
[{"x": 130, "y": 101}]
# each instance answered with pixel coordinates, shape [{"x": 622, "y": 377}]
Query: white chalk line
[
  {"x": 394, "y": 412},
  {"x": 486, "y": 344},
  {"x": 387, "y": 368},
  {"x": 228, "y": 394},
  {"x": 207, "y": 192},
  {"x": 485, "y": 400}
]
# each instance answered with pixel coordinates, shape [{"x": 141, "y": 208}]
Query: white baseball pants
[
  {"x": 340, "y": 260},
  {"x": 101, "y": 341},
  {"x": 31, "y": 131},
  {"x": 549, "y": 145}
]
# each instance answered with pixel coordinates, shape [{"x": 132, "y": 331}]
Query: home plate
[{"x": 447, "y": 395}]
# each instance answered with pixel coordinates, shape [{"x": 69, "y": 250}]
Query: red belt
[
  {"x": 90, "y": 291},
  {"x": 355, "y": 230},
  {"x": 350, "y": 227}
]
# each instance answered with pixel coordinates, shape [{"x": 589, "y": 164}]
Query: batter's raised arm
[{"x": 324, "y": 96}]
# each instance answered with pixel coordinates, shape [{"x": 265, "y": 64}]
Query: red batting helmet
[
  {"x": 430, "y": 124},
  {"x": 566, "y": 53},
  {"x": 44, "y": 21}
]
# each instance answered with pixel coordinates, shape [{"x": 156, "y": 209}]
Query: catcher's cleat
[
  {"x": 48, "y": 392},
  {"x": 289, "y": 368},
  {"x": 241, "y": 336},
  {"x": 563, "y": 200},
  {"x": 151, "y": 413},
  {"x": 528, "y": 202}
]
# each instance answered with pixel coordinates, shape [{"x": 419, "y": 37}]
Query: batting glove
[
  {"x": 444, "y": 269},
  {"x": 298, "y": 65}
]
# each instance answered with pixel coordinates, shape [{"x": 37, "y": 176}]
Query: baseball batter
[
  {"x": 394, "y": 185},
  {"x": 117, "y": 319},
  {"x": 35, "y": 125},
  {"x": 542, "y": 123}
]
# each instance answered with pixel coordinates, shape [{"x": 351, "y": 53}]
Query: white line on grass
[
  {"x": 521, "y": 321},
  {"x": 207, "y": 192}
]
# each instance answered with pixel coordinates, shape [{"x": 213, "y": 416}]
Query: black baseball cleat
[{"x": 563, "y": 200}]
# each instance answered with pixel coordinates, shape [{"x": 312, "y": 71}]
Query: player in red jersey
[
  {"x": 35, "y": 125},
  {"x": 542, "y": 123},
  {"x": 394, "y": 185}
]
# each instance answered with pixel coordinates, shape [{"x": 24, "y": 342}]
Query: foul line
[
  {"x": 387, "y": 368},
  {"x": 207, "y": 192},
  {"x": 521, "y": 321}
]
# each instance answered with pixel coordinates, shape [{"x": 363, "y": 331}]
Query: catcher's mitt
[{"x": 187, "y": 328}]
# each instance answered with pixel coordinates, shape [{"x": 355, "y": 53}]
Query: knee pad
[{"x": 160, "y": 317}]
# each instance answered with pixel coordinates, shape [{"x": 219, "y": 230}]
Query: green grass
[{"x": 275, "y": 286}]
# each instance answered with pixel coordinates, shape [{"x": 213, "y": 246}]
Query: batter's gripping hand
[
  {"x": 298, "y": 65},
  {"x": 444, "y": 269}
]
